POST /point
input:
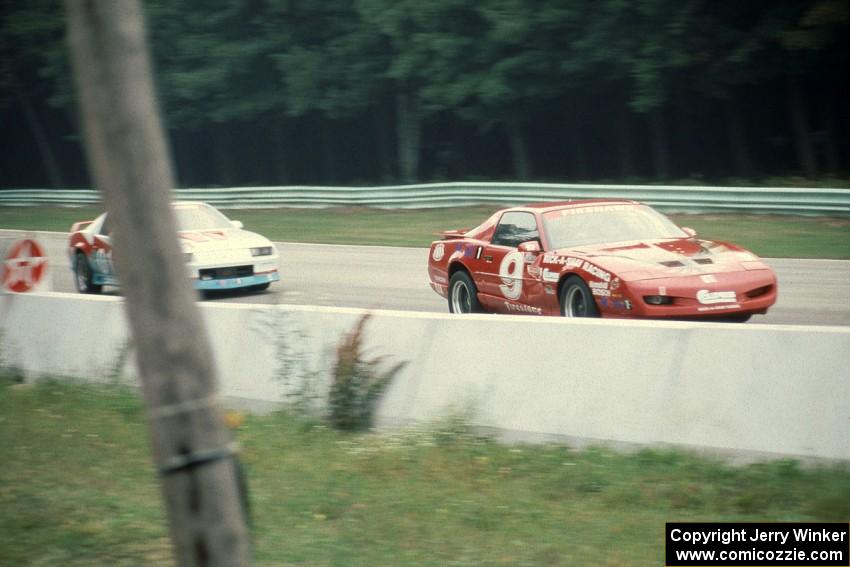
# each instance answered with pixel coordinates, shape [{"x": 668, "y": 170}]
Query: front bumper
[
  {"x": 754, "y": 292},
  {"x": 236, "y": 282}
]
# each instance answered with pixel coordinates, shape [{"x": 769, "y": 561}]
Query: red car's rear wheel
[{"x": 463, "y": 295}]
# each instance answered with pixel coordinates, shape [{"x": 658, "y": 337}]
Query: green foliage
[
  {"x": 357, "y": 383},
  {"x": 32, "y": 49},
  {"x": 256, "y": 73},
  {"x": 78, "y": 488}
]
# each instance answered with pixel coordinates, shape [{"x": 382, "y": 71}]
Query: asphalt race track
[{"x": 811, "y": 292}]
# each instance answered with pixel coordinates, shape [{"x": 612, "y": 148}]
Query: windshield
[
  {"x": 200, "y": 217},
  {"x": 577, "y": 226}
]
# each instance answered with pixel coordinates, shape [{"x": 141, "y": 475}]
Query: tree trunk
[
  {"x": 624, "y": 143},
  {"x": 409, "y": 134},
  {"x": 330, "y": 171},
  {"x": 577, "y": 152},
  {"x": 519, "y": 150},
  {"x": 801, "y": 129},
  {"x": 225, "y": 165},
  {"x": 830, "y": 122},
  {"x": 660, "y": 147},
  {"x": 383, "y": 136},
  {"x": 51, "y": 167},
  {"x": 280, "y": 169},
  {"x": 127, "y": 155},
  {"x": 741, "y": 162}
]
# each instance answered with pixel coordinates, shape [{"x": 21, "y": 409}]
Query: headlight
[{"x": 261, "y": 251}]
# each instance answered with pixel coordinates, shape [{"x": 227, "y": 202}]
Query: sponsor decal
[
  {"x": 24, "y": 267},
  {"x": 578, "y": 263},
  {"x": 615, "y": 303},
  {"x": 529, "y": 257},
  {"x": 615, "y": 284},
  {"x": 550, "y": 276},
  {"x": 549, "y": 290},
  {"x": 522, "y": 308},
  {"x": 662, "y": 290},
  {"x": 510, "y": 271},
  {"x": 439, "y": 252},
  {"x": 707, "y": 297},
  {"x": 600, "y": 289},
  {"x": 596, "y": 271},
  {"x": 719, "y": 307},
  {"x": 552, "y": 258},
  {"x": 102, "y": 260},
  {"x": 594, "y": 209},
  {"x": 468, "y": 250},
  {"x": 708, "y": 278},
  {"x": 440, "y": 279},
  {"x": 478, "y": 253}
]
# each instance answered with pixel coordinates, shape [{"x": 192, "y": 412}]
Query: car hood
[
  {"x": 648, "y": 259},
  {"x": 227, "y": 239}
]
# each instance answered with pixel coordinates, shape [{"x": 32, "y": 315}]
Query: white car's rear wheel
[{"x": 83, "y": 275}]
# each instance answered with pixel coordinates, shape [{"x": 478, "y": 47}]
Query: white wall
[{"x": 748, "y": 389}]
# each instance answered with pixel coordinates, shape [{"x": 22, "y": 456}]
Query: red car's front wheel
[{"x": 576, "y": 299}]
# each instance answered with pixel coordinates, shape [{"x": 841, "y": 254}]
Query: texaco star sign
[{"x": 24, "y": 266}]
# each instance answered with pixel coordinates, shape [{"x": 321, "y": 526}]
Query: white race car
[{"x": 219, "y": 254}]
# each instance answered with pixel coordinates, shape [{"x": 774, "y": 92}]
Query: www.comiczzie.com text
[{"x": 757, "y": 544}]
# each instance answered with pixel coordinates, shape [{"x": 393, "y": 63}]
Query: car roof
[{"x": 553, "y": 205}]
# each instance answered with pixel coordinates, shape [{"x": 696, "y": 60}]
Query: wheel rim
[
  {"x": 575, "y": 302},
  {"x": 461, "y": 298},
  {"x": 81, "y": 275}
]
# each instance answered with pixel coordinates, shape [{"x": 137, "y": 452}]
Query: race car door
[{"x": 505, "y": 284}]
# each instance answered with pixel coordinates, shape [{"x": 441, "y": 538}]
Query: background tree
[{"x": 267, "y": 92}]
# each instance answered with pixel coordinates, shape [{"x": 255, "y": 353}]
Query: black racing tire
[
  {"x": 463, "y": 295},
  {"x": 576, "y": 299},
  {"x": 260, "y": 287},
  {"x": 738, "y": 318},
  {"x": 83, "y": 276}
]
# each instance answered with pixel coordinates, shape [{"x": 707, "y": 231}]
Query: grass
[
  {"x": 768, "y": 236},
  {"x": 77, "y": 488}
]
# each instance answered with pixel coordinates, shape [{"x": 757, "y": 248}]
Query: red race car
[{"x": 596, "y": 258}]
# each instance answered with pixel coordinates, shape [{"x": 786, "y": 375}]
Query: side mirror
[
  {"x": 531, "y": 246},
  {"x": 689, "y": 231},
  {"x": 237, "y": 224}
]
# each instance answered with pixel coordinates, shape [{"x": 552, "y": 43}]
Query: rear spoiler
[
  {"x": 449, "y": 234},
  {"x": 80, "y": 225}
]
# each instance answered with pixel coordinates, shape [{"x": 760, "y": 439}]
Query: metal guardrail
[{"x": 805, "y": 201}]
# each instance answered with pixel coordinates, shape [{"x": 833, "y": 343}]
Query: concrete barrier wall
[{"x": 744, "y": 389}]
